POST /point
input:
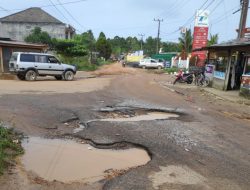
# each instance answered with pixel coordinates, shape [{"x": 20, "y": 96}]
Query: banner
[{"x": 200, "y": 35}]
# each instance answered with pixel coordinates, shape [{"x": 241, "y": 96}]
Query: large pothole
[{"x": 68, "y": 161}]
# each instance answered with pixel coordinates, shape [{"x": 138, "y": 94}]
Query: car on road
[
  {"x": 151, "y": 63},
  {"x": 27, "y": 66}
]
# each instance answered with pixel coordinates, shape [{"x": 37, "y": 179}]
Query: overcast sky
[{"x": 133, "y": 17}]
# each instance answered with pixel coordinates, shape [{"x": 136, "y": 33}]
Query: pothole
[
  {"x": 149, "y": 116},
  {"x": 127, "y": 115},
  {"x": 68, "y": 161}
]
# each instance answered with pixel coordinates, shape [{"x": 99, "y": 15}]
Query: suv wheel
[
  {"x": 20, "y": 77},
  {"x": 144, "y": 67},
  {"x": 68, "y": 75},
  {"x": 31, "y": 75},
  {"x": 59, "y": 77},
  {"x": 159, "y": 67}
]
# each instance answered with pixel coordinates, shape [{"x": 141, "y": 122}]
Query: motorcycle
[{"x": 184, "y": 78}]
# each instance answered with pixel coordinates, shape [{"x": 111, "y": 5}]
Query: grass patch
[
  {"x": 9, "y": 147},
  {"x": 83, "y": 62},
  {"x": 173, "y": 70}
]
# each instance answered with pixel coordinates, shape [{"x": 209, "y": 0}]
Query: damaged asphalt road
[{"x": 201, "y": 149}]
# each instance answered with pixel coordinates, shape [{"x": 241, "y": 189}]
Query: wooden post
[
  {"x": 227, "y": 74},
  {"x": 1, "y": 60}
]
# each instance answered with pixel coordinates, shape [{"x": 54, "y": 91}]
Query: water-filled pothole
[
  {"x": 69, "y": 161},
  {"x": 135, "y": 114},
  {"x": 149, "y": 116}
]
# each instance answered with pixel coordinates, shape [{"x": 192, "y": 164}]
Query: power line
[
  {"x": 191, "y": 18},
  {"x": 60, "y": 3},
  {"x": 223, "y": 16},
  {"x": 58, "y": 10},
  {"x": 3, "y": 9},
  {"x": 179, "y": 6},
  {"x": 44, "y": 6}
]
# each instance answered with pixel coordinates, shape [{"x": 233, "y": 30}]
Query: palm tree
[
  {"x": 186, "y": 42},
  {"x": 213, "y": 39}
]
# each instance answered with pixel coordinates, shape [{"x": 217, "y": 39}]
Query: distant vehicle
[
  {"x": 167, "y": 64},
  {"x": 151, "y": 63},
  {"x": 27, "y": 66}
]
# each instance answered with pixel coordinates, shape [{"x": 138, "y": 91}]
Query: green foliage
[
  {"x": 150, "y": 46},
  {"x": 213, "y": 39},
  {"x": 170, "y": 47},
  {"x": 173, "y": 69},
  {"x": 87, "y": 39},
  {"x": 82, "y": 62},
  {"x": 103, "y": 46},
  {"x": 8, "y": 148},
  {"x": 38, "y": 36},
  {"x": 69, "y": 47},
  {"x": 186, "y": 42}
]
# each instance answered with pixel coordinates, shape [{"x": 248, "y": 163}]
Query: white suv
[
  {"x": 151, "y": 63},
  {"x": 28, "y": 66}
]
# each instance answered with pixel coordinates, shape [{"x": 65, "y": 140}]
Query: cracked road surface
[{"x": 207, "y": 147}]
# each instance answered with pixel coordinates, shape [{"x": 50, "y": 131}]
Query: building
[
  {"x": 19, "y": 25},
  {"x": 231, "y": 62},
  {"x": 8, "y": 46}
]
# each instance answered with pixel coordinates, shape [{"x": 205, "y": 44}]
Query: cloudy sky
[{"x": 133, "y": 17}]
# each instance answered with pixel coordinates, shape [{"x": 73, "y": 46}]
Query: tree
[
  {"x": 133, "y": 44},
  {"x": 213, "y": 39},
  {"x": 149, "y": 46},
  {"x": 39, "y": 36},
  {"x": 88, "y": 40},
  {"x": 186, "y": 42},
  {"x": 170, "y": 47},
  {"x": 103, "y": 46},
  {"x": 119, "y": 45},
  {"x": 69, "y": 47}
]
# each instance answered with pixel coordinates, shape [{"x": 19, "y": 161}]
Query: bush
[
  {"x": 171, "y": 70},
  {"x": 174, "y": 69},
  {"x": 81, "y": 62},
  {"x": 69, "y": 47}
]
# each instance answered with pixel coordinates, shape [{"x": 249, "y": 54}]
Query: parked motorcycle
[{"x": 184, "y": 78}]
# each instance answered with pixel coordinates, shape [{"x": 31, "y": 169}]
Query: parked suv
[
  {"x": 28, "y": 66},
  {"x": 151, "y": 63}
]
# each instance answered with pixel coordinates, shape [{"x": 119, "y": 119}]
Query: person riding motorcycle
[{"x": 179, "y": 75}]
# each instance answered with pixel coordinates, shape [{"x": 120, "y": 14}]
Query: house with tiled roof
[{"x": 19, "y": 25}]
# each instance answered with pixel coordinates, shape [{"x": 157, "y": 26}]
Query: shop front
[
  {"x": 231, "y": 66},
  {"x": 245, "y": 83}
]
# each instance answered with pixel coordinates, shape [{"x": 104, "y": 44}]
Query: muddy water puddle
[
  {"x": 142, "y": 117},
  {"x": 68, "y": 161}
]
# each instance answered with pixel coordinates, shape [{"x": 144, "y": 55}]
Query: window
[
  {"x": 14, "y": 57},
  {"x": 247, "y": 68},
  {"x": 41, "y": 58},
  {"x": 221, "y": 64},
  {"x": 52, "y": 59},
  {"x": 153, "y": 61},
  {"x": 27, "y": 58}
]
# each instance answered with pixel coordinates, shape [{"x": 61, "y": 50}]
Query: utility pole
[
  {"x": 243, "y": 18},
  {"x": 142, "y": 35},
  {"x": 158, "y": 35}
]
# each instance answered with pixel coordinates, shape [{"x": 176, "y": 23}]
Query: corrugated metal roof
[
  {"x": 232, "y": 43},
  {"x": 31, "y": 15},
  {"x": 23, "y": 44},
  {"x": 244, "y": 42}
]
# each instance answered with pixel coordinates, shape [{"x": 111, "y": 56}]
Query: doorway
[{"x": 6, "y": 58}]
